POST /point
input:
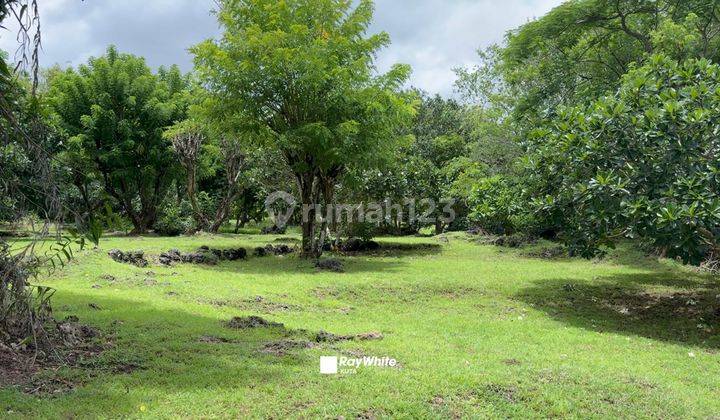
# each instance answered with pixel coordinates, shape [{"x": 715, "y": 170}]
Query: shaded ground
[{"x": 623, "y": 304}]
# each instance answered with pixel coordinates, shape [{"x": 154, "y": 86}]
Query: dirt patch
[
  {"x": 211, "y": 339},
  {"x": 136, "y": 258},
  {"x": 283, "y": 347},
  {"x": 506, "y": 393},
  {"x": 326, "y": 337},
  {"x": 330, "y": 265},
  {"x": 257, "y": 303},
  {"x": 241, "y": 323},
  {"x": 34, "y": 371}
]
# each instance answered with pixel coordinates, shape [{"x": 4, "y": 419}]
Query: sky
[{"x": 433, "y": 36}]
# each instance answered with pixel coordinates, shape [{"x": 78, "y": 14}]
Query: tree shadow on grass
[
  {"x": 292, "y": 264},
  {"x": 354, "y": 262},
  {"x": 397, "y": 249},
  {"x": 682, "y": 311},
  {"x": 170, "y": 350}
]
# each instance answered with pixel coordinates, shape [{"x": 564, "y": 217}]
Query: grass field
[{"x": 477, "y": 330}]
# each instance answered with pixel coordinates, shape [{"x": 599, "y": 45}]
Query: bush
[
  {"x": 363, "y": 230},
  {"x": 640, "y": 164},
  {"x": 496, "y": 206},
  {"x": 175, "y": 219}
]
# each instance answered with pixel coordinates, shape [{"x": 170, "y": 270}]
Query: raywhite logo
[
  {"x": 280, "y": 206},
  {"x": 330, "y": 365}
]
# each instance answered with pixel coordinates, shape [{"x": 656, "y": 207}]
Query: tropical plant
[
  {"x": 299, "y": 75},
  {"x": 641, "y": 163},
  {"x": 113, "y": 111}
]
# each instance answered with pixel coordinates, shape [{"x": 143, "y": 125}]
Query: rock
[
  {"x": 204, "y": 255},
  {"x": 330, "y": 265},
  {"x": 172, "y": 256},
  {"x": 200, "y": 258},
  {"x": 358, "y": 245},
  {"x": 476, "y": 231},
  {"x": 352, "y": 245},
  {"x": 281, "y": 249},
  {"x": 234, "y": 254},
  {"x": 273, "y": 230},
  {"x": 131, "y": 257}
]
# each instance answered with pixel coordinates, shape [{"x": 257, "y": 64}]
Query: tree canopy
[
  {"x": 299, "y": 75},
  {"x": 113, "y": 111}
]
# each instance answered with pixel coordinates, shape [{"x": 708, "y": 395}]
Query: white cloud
[{"x": 433, "y": 36}]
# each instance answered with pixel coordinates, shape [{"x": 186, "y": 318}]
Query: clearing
[{"x": 477, "y": 330}]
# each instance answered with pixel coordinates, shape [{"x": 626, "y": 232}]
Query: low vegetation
[{"x": 477, "y": 330}]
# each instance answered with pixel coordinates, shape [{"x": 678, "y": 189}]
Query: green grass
[{"x": 478, "y": 331}]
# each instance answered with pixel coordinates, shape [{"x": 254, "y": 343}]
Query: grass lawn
[{"x": 477, "y": 330}]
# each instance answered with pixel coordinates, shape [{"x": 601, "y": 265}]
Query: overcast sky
[{"x": 433, "y": 36}]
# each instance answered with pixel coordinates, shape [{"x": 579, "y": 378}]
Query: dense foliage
[
  {"x": 113, "y": 111},
  {"x": 642, "y": 163}
]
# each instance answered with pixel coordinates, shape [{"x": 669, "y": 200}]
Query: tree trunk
[
  {"x": 439, "y": 227},
  {"x": 328, "y": 191},
  {"x": 200, "y": 218},
  {"x": 309, "y": 192},
  {"x": 237, "y": 224}
]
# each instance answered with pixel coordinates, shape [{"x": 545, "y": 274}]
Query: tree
[
  {"x": 582, "y": 48},
  {"x": 439, "y": 152},
  {"x": 187, "y": 139},
  {"x": 641, "y": 163},
  {"x": 113, "y": 111},
  {"x": 299, "y": 74}
]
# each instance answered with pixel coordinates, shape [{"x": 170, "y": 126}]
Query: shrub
[
  {"x": 496, "y": 206},
  {"x": 640, "y": 164},
  {"x": 176, "y": 219},
  {"x": 363, "y": 230}
]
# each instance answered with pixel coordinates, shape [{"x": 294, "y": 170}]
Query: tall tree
[
  {"x": 581, "y": 49},
  {"x": 113, "y": 111},
  {"x": 300, "y": 74}
]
